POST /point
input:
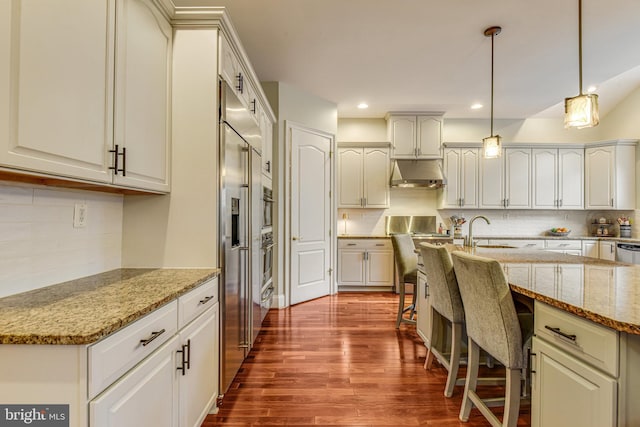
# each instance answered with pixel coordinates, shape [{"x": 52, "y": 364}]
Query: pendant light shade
[
  {"x": 581, "y": 111},
  {"x": 492, "y": 145}
]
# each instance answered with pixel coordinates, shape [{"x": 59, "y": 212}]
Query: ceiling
[{"x": 432, "y": 55}]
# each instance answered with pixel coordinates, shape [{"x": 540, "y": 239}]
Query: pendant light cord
[
  {"x": 492, "y": 36},
  {"x": 580, "y": 43}
]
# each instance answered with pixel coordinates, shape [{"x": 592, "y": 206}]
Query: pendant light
[
  {"x": 581, "y": 111},
  {"x": 492, "y": 145}
]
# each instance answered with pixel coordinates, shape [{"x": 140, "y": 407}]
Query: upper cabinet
[
  {"x": 461, "y": 170},
  {"x": 558, "y": 178},
  {"x": 93, "y": 107},
  {"x": 610, "y": 173},
  {"x": 505, "y": 182},
  {"x": 363, "y": 178},
  {"x": 267, "y": 145},
  {"x": 415, "y": 136}
]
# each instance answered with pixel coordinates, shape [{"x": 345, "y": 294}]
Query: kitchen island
[{"x": 586, "y": 344}]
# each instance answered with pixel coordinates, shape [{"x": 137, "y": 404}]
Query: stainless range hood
[{"x": 417, "y": 173}]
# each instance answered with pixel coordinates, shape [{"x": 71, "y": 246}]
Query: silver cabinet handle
[
  {"x": 153, "y": 336},
  {"x": 571, "y": 337}
]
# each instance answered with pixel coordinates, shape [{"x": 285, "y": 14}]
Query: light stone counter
[
  {"x": 85, "y": 310},
  {"x": 604, "y": 292}
]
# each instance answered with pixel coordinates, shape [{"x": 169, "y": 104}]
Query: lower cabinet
[
  {"x": 365, "y": 262},
  {"x": 423, "y": 308},
  {"x": 567, "y": 392},
  {"x": 607, "y": 250}
]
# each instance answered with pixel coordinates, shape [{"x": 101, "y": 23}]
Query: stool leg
[
  {"x": 454, "y": 361},
  {"x": 512, "y": 398},
  {"x": 400, "y": 303},
  {"x": 471, "y": 381}
]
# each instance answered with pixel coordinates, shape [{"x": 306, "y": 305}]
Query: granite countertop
[
  {"x": 605, "y": 292},
  {"x": 549, "y": 237},
  {"x": 85, "y": 310}
]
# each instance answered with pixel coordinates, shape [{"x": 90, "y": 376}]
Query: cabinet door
[
  {"x": 469, "y": 177},
  {"x": 452, "y": 197},
  {"x": 350, "y": 174},
  {"x": 518, "y": 178},
  {"x": 492, "y": 183},
  {"x": 571, "y": 283},
  {"x": 199, "y": 384},
  {"x": 267, "y": 146},
  {"x": 146, "y": 396},
  {"x": 599, "y": 173},
  {"x": 56, "y": 87},
  {"x": 590, "y": 249},
  {"x": 429, "y": 140},
  {"x": 571, "y": 178},
  {"x": 607, "y": 250},
  {"x": 423, "y": 309},
  {"x": 557, "y": 376},
  {"x": 545, "y": 178},
  {"x": 351, "y": 267},
  {"x": 402, "y": 132},
  {"x": 543, "y": 279},
  {"x": 143, "y": 64},
  {"x": 379, "y": 268},
  {"x": 375, "y": 179}
]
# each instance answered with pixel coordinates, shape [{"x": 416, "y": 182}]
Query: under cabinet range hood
[{"x": 417, "y": 173}]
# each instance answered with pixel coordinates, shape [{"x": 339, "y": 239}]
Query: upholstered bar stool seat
[
  {"x": 445, "y": 301},
  {"x": 493, "y": 326},
  {"x": 406, "y": 260}
]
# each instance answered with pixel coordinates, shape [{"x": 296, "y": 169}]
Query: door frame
[{"x": 286, "y": 244}]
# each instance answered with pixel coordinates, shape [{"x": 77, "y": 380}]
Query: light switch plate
[{"x": 80, "y": 215}]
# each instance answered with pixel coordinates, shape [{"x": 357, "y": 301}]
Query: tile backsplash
[{"x": 39, "y": 245}]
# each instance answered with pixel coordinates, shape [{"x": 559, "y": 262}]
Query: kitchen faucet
[{"x": 469, "y": 239}]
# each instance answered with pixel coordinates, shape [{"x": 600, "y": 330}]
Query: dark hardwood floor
[{"x": 339, "y": 361}]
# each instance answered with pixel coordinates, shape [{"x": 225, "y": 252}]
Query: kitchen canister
[{"x": 625, "y": 230}]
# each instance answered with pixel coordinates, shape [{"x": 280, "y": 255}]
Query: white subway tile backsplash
[{"x": 39, "y": 245}]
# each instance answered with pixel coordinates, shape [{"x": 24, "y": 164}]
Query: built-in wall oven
[
  {"x": 267, "y": 207},
  {"x": 266, "y": 249}
]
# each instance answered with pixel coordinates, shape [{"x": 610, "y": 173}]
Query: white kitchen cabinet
[
  {"x": 365, "y": 262},
  {"x": 610, "y": 178},
  {"x": 556, "y": 376},
  {"x": 505, "y": 182},
  {"x": 423, "y": 308},
  {"x": 461, "y": 167},
  {"x": 519, "y": 274},
  {"x": 415, "y": 136},
  {"x": 607, "y": 250},
  {"x": 559, "y": 281},
  {"x": 197, "y": 362},
  {"x": 568, "y": 247},
  {"x": 363, "y": 178},
  {"x": 590, "y": 248},
  {"x": 267, "y": 145},
  {"x": 518, "y": 243},
  {"x": 145, "y": 396},
  {"x": 558, "y": 178},
  {"x": 105, "y": 96}
]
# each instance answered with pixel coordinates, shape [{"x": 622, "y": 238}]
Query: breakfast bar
[{"x": 586, "y": 340}]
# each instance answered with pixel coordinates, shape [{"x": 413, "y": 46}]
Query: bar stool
[
  {"x": 492, "y": 325},
  {"x": 445, "y": 301},
  {"x": 406, "y": 260}
]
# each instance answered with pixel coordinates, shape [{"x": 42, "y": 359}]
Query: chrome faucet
[{"x": 469, "y": 239}]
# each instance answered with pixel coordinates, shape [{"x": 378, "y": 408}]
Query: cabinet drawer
[
  {"x": 593, "y": 344},
  {"x": 197, "y": 301},
  {"x": 365, "y": 244},
  {"x": 518, "y": 243},
  {"x": 564, "y": 244},
  {"x": 116, "y": 354}
]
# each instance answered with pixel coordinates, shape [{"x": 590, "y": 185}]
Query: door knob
[{"x": 294, "y": 238}]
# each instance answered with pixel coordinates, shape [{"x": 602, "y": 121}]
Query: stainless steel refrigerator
[{"x": 240, "y": 224}]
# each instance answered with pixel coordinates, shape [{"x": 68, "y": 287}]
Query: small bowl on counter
[{"x": 559, "y": 232}]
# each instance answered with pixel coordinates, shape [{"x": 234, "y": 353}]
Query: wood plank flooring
[{"x": 339, "y": 361}]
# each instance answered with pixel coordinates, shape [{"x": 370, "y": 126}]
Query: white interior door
[{"x": 310, "y": 210}]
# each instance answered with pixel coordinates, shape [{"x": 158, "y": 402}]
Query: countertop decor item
[{"x": 561, "y": 231}]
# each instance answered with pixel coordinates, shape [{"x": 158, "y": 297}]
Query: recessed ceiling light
[
  {"x": 363, "y": 105},
  {"x": 591, "y": 89},
  {"x": 476, "y": 106}
]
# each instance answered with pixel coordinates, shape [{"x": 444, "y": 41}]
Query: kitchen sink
[{"x": 496, "y": 246}]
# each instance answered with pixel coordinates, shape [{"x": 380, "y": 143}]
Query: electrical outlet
[{"x": 80, "y": 215}]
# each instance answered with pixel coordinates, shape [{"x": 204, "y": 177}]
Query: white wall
[
  {"x": 291, "y": 104},
  {"x": 39, "y": 245}
]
